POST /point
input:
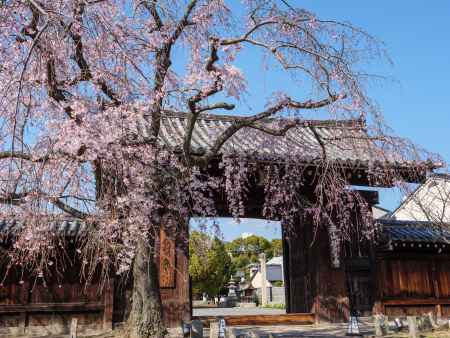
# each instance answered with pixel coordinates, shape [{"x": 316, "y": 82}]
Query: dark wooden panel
[
  {"x": 176, "y": 299},
  {"x": 52, "y": 307},
  {"x": 443, "y": 278},
  {"x": 299, "y": 283},
  {"x": 445, "y": 311},
  {"x": 167, "y": 261},
  {"x": 405, "y": 278}
]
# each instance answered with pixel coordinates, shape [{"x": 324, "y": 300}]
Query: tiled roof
[
  {"x": 69, "y": 227},
  {"x": 341, "y": 141},
  {"x": 414, "y": 232},
  {"x": 278, "y": 260}
]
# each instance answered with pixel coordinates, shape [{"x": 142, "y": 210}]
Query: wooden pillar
[{"x": 108, "y": 302}]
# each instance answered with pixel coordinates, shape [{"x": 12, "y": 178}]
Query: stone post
[
  {"x": 412, "y": 326},
  {"x": 262, "y": 261},
  {"x": 231, "y": 332},
  {"x": 214, "y": 329},
  {"x": 73, "y": 328},
  {"x": 380, "y": 329},
  {"x": 254, "y": 334},
  {"x": 197, "y": 329}
]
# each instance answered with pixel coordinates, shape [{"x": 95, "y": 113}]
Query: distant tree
[
  {"x": 245, "y": 251},
  {"x": 277, "y": 247},
  {"x": 209, "y": 264}
]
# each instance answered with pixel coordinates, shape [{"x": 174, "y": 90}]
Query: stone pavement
[{"x": 304, "y": 331}]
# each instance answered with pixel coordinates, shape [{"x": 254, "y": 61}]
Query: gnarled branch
[{"x": 251, "y": 120}]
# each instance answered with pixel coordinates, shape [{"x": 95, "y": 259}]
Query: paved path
[
  {"x": 323, "y": 330},
  {"x": 304, "y": 331},
  {"x": 236, "y": 311}
]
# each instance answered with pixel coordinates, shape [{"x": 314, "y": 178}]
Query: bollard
[
  {"x": 186, "y": 329},
  {"x": 433, "y": 323},
  {"x": 73, "y": 328},
  {"x": 264, "y": 295},
  {"x": 380, "y": 329},
  {"x": 398, "y": 324},
  {"x": 254, "y": 334},
  {"x": 222, "y": 327},
  {"x": 230, "y": 332},
  {"x": 412, "y": 326},
  {"x": 197, "y": 329},
  {"x": 214, "y": 329}
]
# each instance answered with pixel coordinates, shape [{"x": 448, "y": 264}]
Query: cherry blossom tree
[{"x": 85, "y": 84}]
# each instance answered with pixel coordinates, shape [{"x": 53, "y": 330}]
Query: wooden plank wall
[
  {"x": 413, "y": 283},
  {"x": 38, "y": 307}
]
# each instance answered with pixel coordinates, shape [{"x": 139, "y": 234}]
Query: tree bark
[{"x": 146, "y": 316}]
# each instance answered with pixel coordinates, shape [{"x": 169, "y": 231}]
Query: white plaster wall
[{"x": 431, "y": 202}]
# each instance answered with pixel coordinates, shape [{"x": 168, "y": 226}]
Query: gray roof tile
[
  {"x": 414, "y": 231},
  {"x": 67, "y": 227},
  {"x": 345, "y": 141}
]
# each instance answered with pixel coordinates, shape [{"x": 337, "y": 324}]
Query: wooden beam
[
  {"x": 418, "y": 255},
  {"x": 414, "y": 302},
  {"x": 53, "y": 307},
  {"x": 264, "y": 320},
  {"x": 370, "y": 196}
]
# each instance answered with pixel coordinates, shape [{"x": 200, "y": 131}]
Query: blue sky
[
  {"x": 416, "y": 102},
  {"x": 416, "y": 34}
]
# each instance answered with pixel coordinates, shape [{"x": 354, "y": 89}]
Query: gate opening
[{"x": 231, "y": 261}]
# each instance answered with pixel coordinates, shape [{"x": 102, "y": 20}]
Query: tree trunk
[{"x": 145, "y": 318}]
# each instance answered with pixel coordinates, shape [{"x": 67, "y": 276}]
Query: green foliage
[
  {"x": 277, "y": 247},
  {"x": 277, "y": 283},
  {"x": 209, "y": 264},
  {"x": 245, "y": 251}
]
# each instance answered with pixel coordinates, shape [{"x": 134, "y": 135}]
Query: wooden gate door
[{"x": 359, "y": 286}]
